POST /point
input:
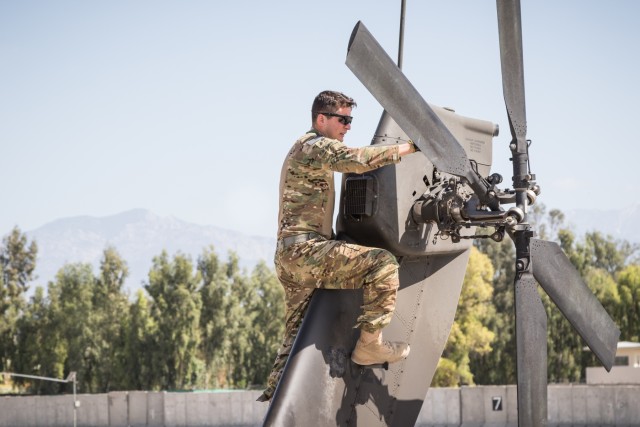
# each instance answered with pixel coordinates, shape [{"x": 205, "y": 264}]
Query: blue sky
[{"x": 187, "y": 108}]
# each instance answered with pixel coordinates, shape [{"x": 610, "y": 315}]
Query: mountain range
[{"x": 139, "y": 235}]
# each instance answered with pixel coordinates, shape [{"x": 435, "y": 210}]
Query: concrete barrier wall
[
  {"x": 617, "y": 375},
  {"x": 488, "y": 406}
]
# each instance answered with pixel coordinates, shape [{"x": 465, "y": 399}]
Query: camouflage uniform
[{"x": 307, "y": 197}]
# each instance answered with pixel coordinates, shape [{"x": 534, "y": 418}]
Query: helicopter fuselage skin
[{"x": 378, "y": 208}]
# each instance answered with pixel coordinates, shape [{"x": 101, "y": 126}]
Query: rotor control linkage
[{"x": 452, "y": 208}]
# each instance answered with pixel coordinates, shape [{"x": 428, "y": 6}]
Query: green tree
[
  {"x": 214, "y": 322},
  {"x": 469, "y": 335},
  {"x": 79, "y": 327},
  {"x": 268, "y": 323},
  {"x": 597, "y": 251},
  {"x": 71, "y": 322},
  {"x": 628, "y": 312},
  {"x": 499, "y": 365},
  {"x": 241, "y": 317},
  {"x": 175, "y": 309},
  {"x": 41, "y": 350},
  {"x": 109, "y": 320},
  {"x": 139, "y": 338},
  {"x": 17, "y": 263}
]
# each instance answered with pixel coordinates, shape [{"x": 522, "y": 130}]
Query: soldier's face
[{"x": 333, "y": 127}]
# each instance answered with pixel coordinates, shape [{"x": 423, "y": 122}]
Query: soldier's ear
[{"x": 321, "y": 121}]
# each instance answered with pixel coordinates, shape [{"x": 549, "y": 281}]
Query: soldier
[{"x": 307, "y": 254}]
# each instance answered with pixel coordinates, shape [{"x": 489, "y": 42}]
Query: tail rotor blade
[
  {"x": 562, "y": 282},
  {"x": 510, "y": 31},
  {"x": 382, "y": 77},
  {"x": 531, "y": 343}
]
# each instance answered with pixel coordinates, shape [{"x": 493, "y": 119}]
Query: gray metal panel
[{"x": 475, "y": 136}]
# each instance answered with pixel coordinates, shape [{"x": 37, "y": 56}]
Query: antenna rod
[{"x": 400, "y": 47}]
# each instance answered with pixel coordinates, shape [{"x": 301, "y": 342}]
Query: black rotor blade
[
  {"x": 386, "y": 82},
  {"x": 510, "y": 31},
  {"x": 562, "y": 282},
  {"x": 531, "y": 343}
]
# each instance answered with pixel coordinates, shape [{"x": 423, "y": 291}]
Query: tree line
[
  {"x": 199, "y": 325},
  {"x": 209, "y": 324}
]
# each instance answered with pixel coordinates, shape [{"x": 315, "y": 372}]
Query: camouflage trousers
[{"x": 332, "y": 264}]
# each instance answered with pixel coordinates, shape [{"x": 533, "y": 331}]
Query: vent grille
[{"x": 359, "y": 196}]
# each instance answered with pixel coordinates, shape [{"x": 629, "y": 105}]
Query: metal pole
[
  {"x": 401, "y": 42},
  {"x": 72, "y": 375},
  {"x": 11, "y": 374}
]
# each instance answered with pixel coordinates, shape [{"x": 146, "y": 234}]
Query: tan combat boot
[{"x": 372, "y": 350}]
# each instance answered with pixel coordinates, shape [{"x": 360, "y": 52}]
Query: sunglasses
[{"x": 345, "y": 120}]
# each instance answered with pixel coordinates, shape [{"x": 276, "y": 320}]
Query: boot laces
[{"x": 388, "y": 346}]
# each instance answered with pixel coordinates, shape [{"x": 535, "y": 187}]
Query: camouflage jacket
[{"x": 307, "y": 191}]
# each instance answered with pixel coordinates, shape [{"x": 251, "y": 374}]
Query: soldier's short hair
[{"x": 330, "y": 101}]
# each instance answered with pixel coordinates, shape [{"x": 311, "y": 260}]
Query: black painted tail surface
[{"x": 322, "y": 387}]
